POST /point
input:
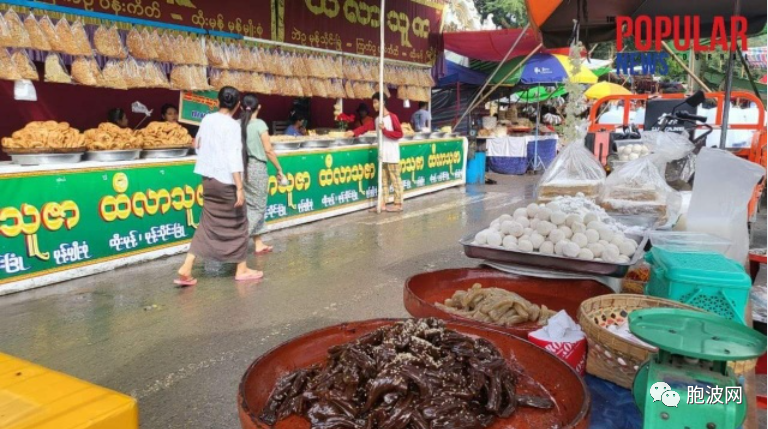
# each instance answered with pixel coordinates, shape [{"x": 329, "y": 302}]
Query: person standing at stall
[
  {"x": 362, "y": 117},
  {"x": 257, "y": 151},
  {"x": 389, "y": 152},
  {"x": 223, "y": 231},
  {"x": 421, "y": 120},
  {"x": 296, "y": 128}
]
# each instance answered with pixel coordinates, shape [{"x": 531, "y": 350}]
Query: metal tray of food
[
  {"x": 438, "y": 134},
  {"x": 164, "y": 153},
  {"x": 342, "y": 142},
  {"x": 365, "y": 140},
  {"x": 286, "y": 145},
  {"x": 553, "y": 262},
  {"x": 46, "y": 158},
  {"x": 113, "y": 155},
  {"x": 316, "y": 144},
  {"x": 408, "y": 136}
]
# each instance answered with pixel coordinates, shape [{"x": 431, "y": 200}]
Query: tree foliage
[{"x": 506, "y": 13}]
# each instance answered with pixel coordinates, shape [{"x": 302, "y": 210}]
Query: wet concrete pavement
[{"x": 182, "y": 352}]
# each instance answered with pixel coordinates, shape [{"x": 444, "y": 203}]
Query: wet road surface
[{"x": 182, "y": 352}]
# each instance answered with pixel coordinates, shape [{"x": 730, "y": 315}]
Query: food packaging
[
  {"x": 55, "y": 71},
  {"x": 563, "y": 338},
  {"x": 574, "y": 171},
  {"x": 19, "y": 38},
  {"x": 49, "y": 31},
  {"x": 216, "y": 55},
  {"x": 109, "y": 44},
  {"x": 7, "y": 68},
  {"x": 65, "y": 37},
  {"x": 24, "y": 65},
  {"x": 85, "y": 71},
  {"x": 113, "y": 75},
  {"x": 5, "y": 34},
  {"x": 163, "y": 47},
  {"x": 80, "y": 43},
  {"x": 36, "y": 37}
]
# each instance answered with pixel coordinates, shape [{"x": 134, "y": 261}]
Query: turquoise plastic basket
[{"x": 706, "y": 280}]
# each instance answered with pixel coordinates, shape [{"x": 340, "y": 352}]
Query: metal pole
[
  {"x": 685, "y": 67},
  {"x": 501, "y": 82},
  {"x": 379, "y": 196},
  {"x": 509, "y": 52},
  {"x": 728, "y": 88}
]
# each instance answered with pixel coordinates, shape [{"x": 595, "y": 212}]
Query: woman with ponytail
[
  {"x": 222, "y": 233},
  {"x": 257, "y": 150}
]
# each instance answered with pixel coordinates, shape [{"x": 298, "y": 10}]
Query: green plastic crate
[{"x": 706, "y": 280}]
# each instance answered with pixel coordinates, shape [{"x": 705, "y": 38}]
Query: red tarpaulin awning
[{"x": 490, "y": 45}]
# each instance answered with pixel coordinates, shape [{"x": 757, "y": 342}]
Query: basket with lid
[{"x": 705, "y": 279}]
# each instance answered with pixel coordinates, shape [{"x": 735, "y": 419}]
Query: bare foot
[
  {"x": 185, "y": 272},
  {"x": 249, "y": 274}
]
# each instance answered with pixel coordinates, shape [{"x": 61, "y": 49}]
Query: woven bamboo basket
[{"x": 610, "y": 356}]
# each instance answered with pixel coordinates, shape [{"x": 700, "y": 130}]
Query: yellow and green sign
[{"x": 57, "y": 220}]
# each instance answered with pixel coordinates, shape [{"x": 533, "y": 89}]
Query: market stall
[{"x": 82, "y": 195}]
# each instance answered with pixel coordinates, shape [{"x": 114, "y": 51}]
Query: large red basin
[
  {"x": 566, "y": 387},
  {"x": 422, "y": 291}
]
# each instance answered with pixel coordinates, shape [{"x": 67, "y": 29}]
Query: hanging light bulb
[{"x": 407, "y": 103}]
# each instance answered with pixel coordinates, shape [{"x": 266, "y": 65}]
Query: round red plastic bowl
[
  {"x": 566, "y": 387},
  {"x": 422, "y": 291}
]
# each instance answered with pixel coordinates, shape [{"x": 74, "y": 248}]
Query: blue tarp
[{"x": 455, "y": 73}]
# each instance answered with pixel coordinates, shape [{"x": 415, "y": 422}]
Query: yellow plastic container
[{"x": 35, "y": 397}]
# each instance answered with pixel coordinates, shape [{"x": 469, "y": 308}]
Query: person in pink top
[{"x": 389, "y": 152}]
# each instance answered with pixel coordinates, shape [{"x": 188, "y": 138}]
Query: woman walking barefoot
[
  {"x": 258, "y": 149},
  {"x": 222, "y": 234}
]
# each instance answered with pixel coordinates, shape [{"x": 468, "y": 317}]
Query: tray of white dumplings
[{"x": 544, "y": 236}]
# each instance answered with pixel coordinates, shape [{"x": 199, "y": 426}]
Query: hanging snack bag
[
  {"x": 113, "y": 75},
  {"x": 82, "y": 44},
  {"x": 49, "y": 32},
  {"x": 574, "y": 171},
  {"x": 83, "y": 71},
  {"x": 108, "y": 42},
  {"x": 65, "y": 37},
  {"x": 179, "y": 57},
  {"x": 5, "y": 34},
  {"x": 132, "y": 74},
  {"x": 215, "y": 55},
  {"x": 136, "y": 45},
  {"x": 55, "y": 71},
  {"x": 164, "y": 53},
  {"x": 7, "y": 67},
  {"x": 181, "y": 79},
  {"x": 24, "y": 65},
  {"x": 19, "y": 36},
  {"x": 36, "y": 37}
]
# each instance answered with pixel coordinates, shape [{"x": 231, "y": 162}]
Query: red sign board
[
  {"x": 411, "y": 26},
  {"x": 252, "y": 18}
]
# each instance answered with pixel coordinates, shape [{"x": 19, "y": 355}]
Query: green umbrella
[{"x": 536, "y": 94}]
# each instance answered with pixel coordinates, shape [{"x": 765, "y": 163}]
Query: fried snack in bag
[
  {"x": 349, "y": 89},
  {"x": 6, "y": 40},
  {"x": 318, "y": 87},
  {"x": 49, "y": 31},
  {"x": 284, "y": 64},
  {"x": 83, "y": 71},
  {"x": 81, "y": 43},
  {"x": 216, "y": 79},
  {"x": 267, "y": 61},
  {"x": 66, "y": 39},
  {"x": 137, "y": 46},
  {"x": 574, "y": 171},
  {"x": 177, "y": 45},
  {"x": 306, "y": 87},
  {"x": 195, "y": 47},
  {"x": 108, "y": 42},
  {"x": 36, "y": 37},
  {"x": 233, "y": 57},
  {"x": 24, "y": 65},
  {"x": 199, "y": 78},
  {"x": 215, "y": 54},
  {"x": 7, "y": 67},
  {"x": 19, "y": 36},
  {"x": 132, "y": 74},
  {"x": 112, "y": 75},
  {"x": 55, "y": 71},
  {"x": 159, "y": 76},
  {"x": 180, "y": 78},
  {"x": 163, "y": 47}
]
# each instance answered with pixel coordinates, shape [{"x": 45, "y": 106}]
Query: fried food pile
[
  {"x": 164, "y": 135},
  {"x": 497, "y": 306},
  {"x": 414, "y": 374},
  {"x": 44, "y": 137},
  {"x": 108, "y": 136}
]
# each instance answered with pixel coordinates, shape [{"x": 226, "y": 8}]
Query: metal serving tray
[
  {"x": 316, "y": 144},
  {"x": 113, "y": 155},
  {"x": 342, "y": 142},
  {"x": 46, "y": 158},
  {"x": 553, "y": 262},
  {"x": 438, "y": 134},
  {"x": 286, "y": 145},
  {"x": 365, "y": 140},
  {"x": 164, "y": 153}
]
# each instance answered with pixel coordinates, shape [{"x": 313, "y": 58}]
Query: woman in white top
[{"x": 223, "y": 231}]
